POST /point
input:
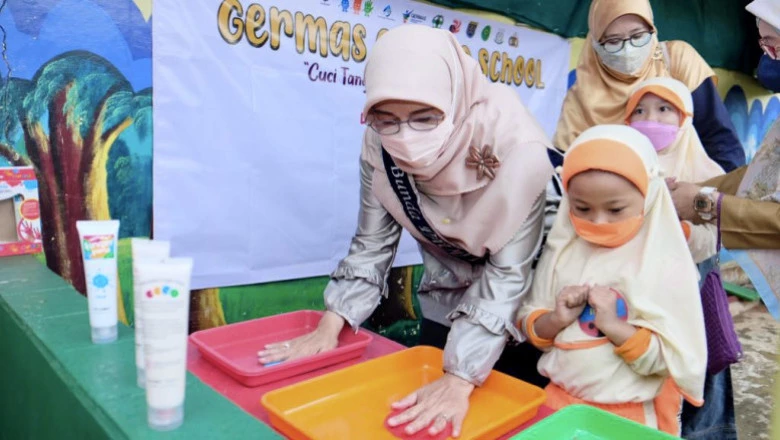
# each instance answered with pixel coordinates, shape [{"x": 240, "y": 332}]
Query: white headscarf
[
  {"x": 766, "y": 10},
  {"x": 686, "y": 158}
]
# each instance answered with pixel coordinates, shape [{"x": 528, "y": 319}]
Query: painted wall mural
[
  {"x": 752, "y": 112},
  {"x": 76, "y": 104}
]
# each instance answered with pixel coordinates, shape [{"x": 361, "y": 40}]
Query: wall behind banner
[{"x": 75, "y": 102}]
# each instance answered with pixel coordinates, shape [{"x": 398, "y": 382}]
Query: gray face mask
[{"x": 627, "y": 60}]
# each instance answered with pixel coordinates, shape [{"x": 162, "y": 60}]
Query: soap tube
[
  {"x": 143, "y": 250},
  {"x": 99, "y": 248},
  {"x": 165, "y": 304}
]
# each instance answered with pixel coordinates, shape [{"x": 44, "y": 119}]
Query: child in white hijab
[
  {"x": 662, "y": 109},
  {"x": 615, "y": 300}
]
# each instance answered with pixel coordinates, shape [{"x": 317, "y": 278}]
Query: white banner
[{"x": 257, "y": 130}]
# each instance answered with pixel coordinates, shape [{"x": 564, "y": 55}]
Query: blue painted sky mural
[
  {"x": 752, "y": 121},
  {"x": 117, "y": 30}
]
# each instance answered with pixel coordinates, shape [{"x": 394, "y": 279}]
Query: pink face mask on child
[{"x": 661, "y": 135}]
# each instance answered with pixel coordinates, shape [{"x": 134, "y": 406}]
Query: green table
[{"x": 56, "y": 384}]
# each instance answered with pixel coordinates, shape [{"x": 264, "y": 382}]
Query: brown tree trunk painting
[
  {"x": 206, "y": 310},
  {"x": 70, "y": 116},
  {"x": 72, "y": 177}
]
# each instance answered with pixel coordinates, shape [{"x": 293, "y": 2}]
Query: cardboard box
[{"x": 20, "y": 213}]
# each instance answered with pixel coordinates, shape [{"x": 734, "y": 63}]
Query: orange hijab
[{"x": 599, "y": 96}]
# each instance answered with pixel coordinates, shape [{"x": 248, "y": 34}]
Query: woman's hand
[
  {"x": 682, "y": 196},
  {"x": 444, "y": 400},
  {"x": 323, "y": 338}
]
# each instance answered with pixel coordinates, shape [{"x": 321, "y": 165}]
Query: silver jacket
[{"x": 481, "y": 301}]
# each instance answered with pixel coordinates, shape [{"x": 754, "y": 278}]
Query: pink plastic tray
[{"x": 233, "y": 348}]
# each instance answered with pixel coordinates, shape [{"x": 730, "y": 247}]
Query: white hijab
[
  {"x": 686, "y": 158},
  {"x": 766, "y": 10}
]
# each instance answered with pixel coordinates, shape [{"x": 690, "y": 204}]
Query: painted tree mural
[
  {"x": 69, "y": 109},
  {"x": 64, "y": 122}
]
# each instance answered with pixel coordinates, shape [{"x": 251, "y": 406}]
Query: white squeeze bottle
[
  {"x": 144, "y": 250},
  {"x": 98, "y": 239},
  {"x": 165, "y": 301}
]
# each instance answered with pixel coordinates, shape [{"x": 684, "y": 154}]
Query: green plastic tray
[{"x": 583, "y": 422}]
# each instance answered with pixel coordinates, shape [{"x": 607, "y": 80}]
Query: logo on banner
[
  {"x": 486, "y": 33},
  {"x": 345, "y": 5},
  {"x": 368, "y": 8},
  {"x": 438, "y": 21},
  {"x": 356, "y": 6},
  {"x": 513, "y": 40},
  {"x": 409, "y": 15},
  {"x": 471, "y": 29},
  {"x": 387, "y": 11},
  {"x": 500, "y": 37},
  {"x": 455, "y": 26}
]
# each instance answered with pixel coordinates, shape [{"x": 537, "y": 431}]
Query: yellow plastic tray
[{"x": 353, "y": 403}]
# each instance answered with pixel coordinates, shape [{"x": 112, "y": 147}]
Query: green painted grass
[
  {"x": 125, "y": 271},
  {"x": 241, "y": 303},
  {"x": 406, "y": 332}
]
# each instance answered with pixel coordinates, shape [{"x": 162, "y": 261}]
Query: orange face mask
[{"x": 609, "y": 235}]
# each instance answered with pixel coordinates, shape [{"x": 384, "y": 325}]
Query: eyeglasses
[
  {"x": 768, "y": 48},
  {"x": 393, "y": 126},
  {"x": 640, "y": 39}
]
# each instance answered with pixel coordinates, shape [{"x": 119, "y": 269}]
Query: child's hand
[
  {"x": 604, "y": 303},
  {"x": 570, "y": 303}
]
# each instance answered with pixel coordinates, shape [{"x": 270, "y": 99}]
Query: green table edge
[{"x": 52, "y": 367}]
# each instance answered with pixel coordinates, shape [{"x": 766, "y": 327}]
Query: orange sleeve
[
  {"x": 529, "y": 329},
  {"x": 686, "y": 227},
  {"x": 635, "y": 346}
]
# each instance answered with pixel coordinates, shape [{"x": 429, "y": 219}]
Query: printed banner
[{"x": 257, "y": 130}]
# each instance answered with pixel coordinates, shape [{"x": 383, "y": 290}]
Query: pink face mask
[{"x": 661, "y": 135}]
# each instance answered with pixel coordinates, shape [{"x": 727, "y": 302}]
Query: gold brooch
[{"x": 484, "y": 161}]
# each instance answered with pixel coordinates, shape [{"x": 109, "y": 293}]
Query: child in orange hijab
[
  {"x": 615, "y": 301},
  {"x": 662, "y": 110}
]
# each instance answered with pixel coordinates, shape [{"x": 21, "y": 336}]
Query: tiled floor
[{"x": 755, "y": 376}]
